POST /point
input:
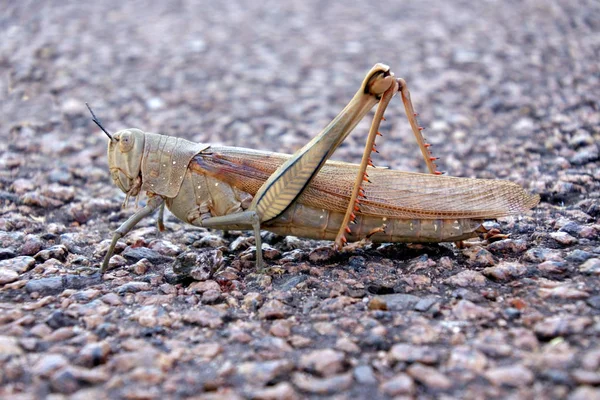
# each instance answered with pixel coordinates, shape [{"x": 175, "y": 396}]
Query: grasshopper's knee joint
[{"x": 379, "y": 80}]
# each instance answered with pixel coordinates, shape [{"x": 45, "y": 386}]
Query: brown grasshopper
[{"x": 304, "y": 194}]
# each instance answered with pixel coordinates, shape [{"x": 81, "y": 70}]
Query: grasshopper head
[{"x": 125, "y": 151}]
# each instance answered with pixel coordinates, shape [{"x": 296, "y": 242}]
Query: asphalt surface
[{"x": 506, "y": 90}]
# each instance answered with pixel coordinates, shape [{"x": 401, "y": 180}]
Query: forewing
[{"x": 390, "y": 193}]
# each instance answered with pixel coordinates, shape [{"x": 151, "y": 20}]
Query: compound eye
[{"x": 126, "y": 142}]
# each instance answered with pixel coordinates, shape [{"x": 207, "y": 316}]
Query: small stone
[
  {"x": 478, "y": 257},
  {"x": 508, "y": 246},
  {"x": 466, "y": 310},
  {"x": 590, "y": 267},
  {"x": 49, "y": 363},
  {"x": 400, "y": 384},
  {"x": 505, "y": 271},
  {"x": 409, "y": 353},
  {"x": 281, "y": 328},
  {"x": 58, "y": 319},
  {"x": 322, "y": 386},
  {"x": 212, "y": 241},
  {"x": 94, "y": 354},
  {"x": 133, "y": 287},
  {"x": 322, "y": 254},
  {"x": 207, "y": 317},
  {"x": 281, "y": 390},
  {"x": 463, "y": 357},
  {"x": 584, "y": 377},
  {"x": 512, "y": 375},
  {"x": 198, "y": 265},
  {"x": 204, "y": 286},
  {"x": 58, "y": 252},
  {"x": 429, "y": 376},
  {"x": 45, "y": 286},
  {"x": 7, "y": 276},
  {"x": 32, "y": 245},
  {"x": 164, "y": 247},
  {"x": 377, "y": 303},
  {"x": 264, "y": 372},
  {"x": 553, "y": 267},
  {"x": 207, "y": 351},
  {"x": 274, "y": 309},
  {"x": 398, "y": 301},
  {"x": 563, "y": 238},
  {"x": 137, "y": 253},
  {"x": 324, "y": 362},
  {"x": 364, "y": 375},
  {"x": 9, "y": 347},
  {"x": 578, "y": 256},
  {"x": 252, "y": 301},
  {"x": 141, "y": 267},
  {"x": 466, "y": 278},
  {"x": 585, "y": 393},
  {"x": 541, "y": 254},
  {"x": 19, "y": 264},
  {"x": 564, "y": 291},
  {"x": 211, "y": 296},
  {"x": 346, "y": 345},
  {"x": 552, "y": 327}
]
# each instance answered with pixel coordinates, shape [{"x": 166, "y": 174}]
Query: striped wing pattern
[{"x": 396, "y": 194}]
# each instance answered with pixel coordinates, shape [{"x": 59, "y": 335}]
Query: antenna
[{"x": 97, "y": 122}]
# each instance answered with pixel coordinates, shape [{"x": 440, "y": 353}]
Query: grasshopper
[{"x": 304, "y": 194}]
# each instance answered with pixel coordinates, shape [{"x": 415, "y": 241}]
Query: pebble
[
  {"x": 466, "y": 358},
  {"x": 563, "y": 238},
  {"x": 137, "y": 253},
  {"x": 429, "y": 377},
  {"x": 133, "y": 287},
  {"x": 45, "y": 286},
  {"x": 9, "y": 347},
  {"x": 322, "y": 386},
  {"x": 410, "y": 353},
  {"x": 578, "y": 256},
  {"x": 584, "y": 377},
  {"x": 541, "y": 254},
  {"x": 563, "y": 291},
  {"x": 585, "y": 393},
  {"x": 512, "y": 375},
  {"x": 466, "y": 278},
  {"x": 264, "y": 372},
  {"x": 281, "y": 328},
  {"x": 58, "y": 252},
  {"x": 198, "y": 265},
  {"x": 478, "y": 257},
  {"x": 322, "y": 254},
  {"x": 281, "y": 390},
  {"x": 467, "y": 310},
  {"x": 93, "y": 354},
  {"x": 324, "y": 362},
  {"x": 48, "y": 363},
  {"x": 590, "y": 267},
  {"x": 553, "y": 267},
  {"x": 400, "y": 384},
  {"x": 207, "y": 317},
  {"x": 8, "y": 276},
  {"x": 210, "y": 240},
  {"x": 555, "y": 326},
  {"x": 505, "y": 271},
  {"x": 364, "y": 375},
  {"x": 508, "y": 246},
  {"x": 20, "y": 264},
  {"x": 395, "y": 302},
  {"x": 274, "y": 309}
]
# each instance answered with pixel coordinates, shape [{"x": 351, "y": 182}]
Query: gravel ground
[{"x": 506, "y": 89}]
